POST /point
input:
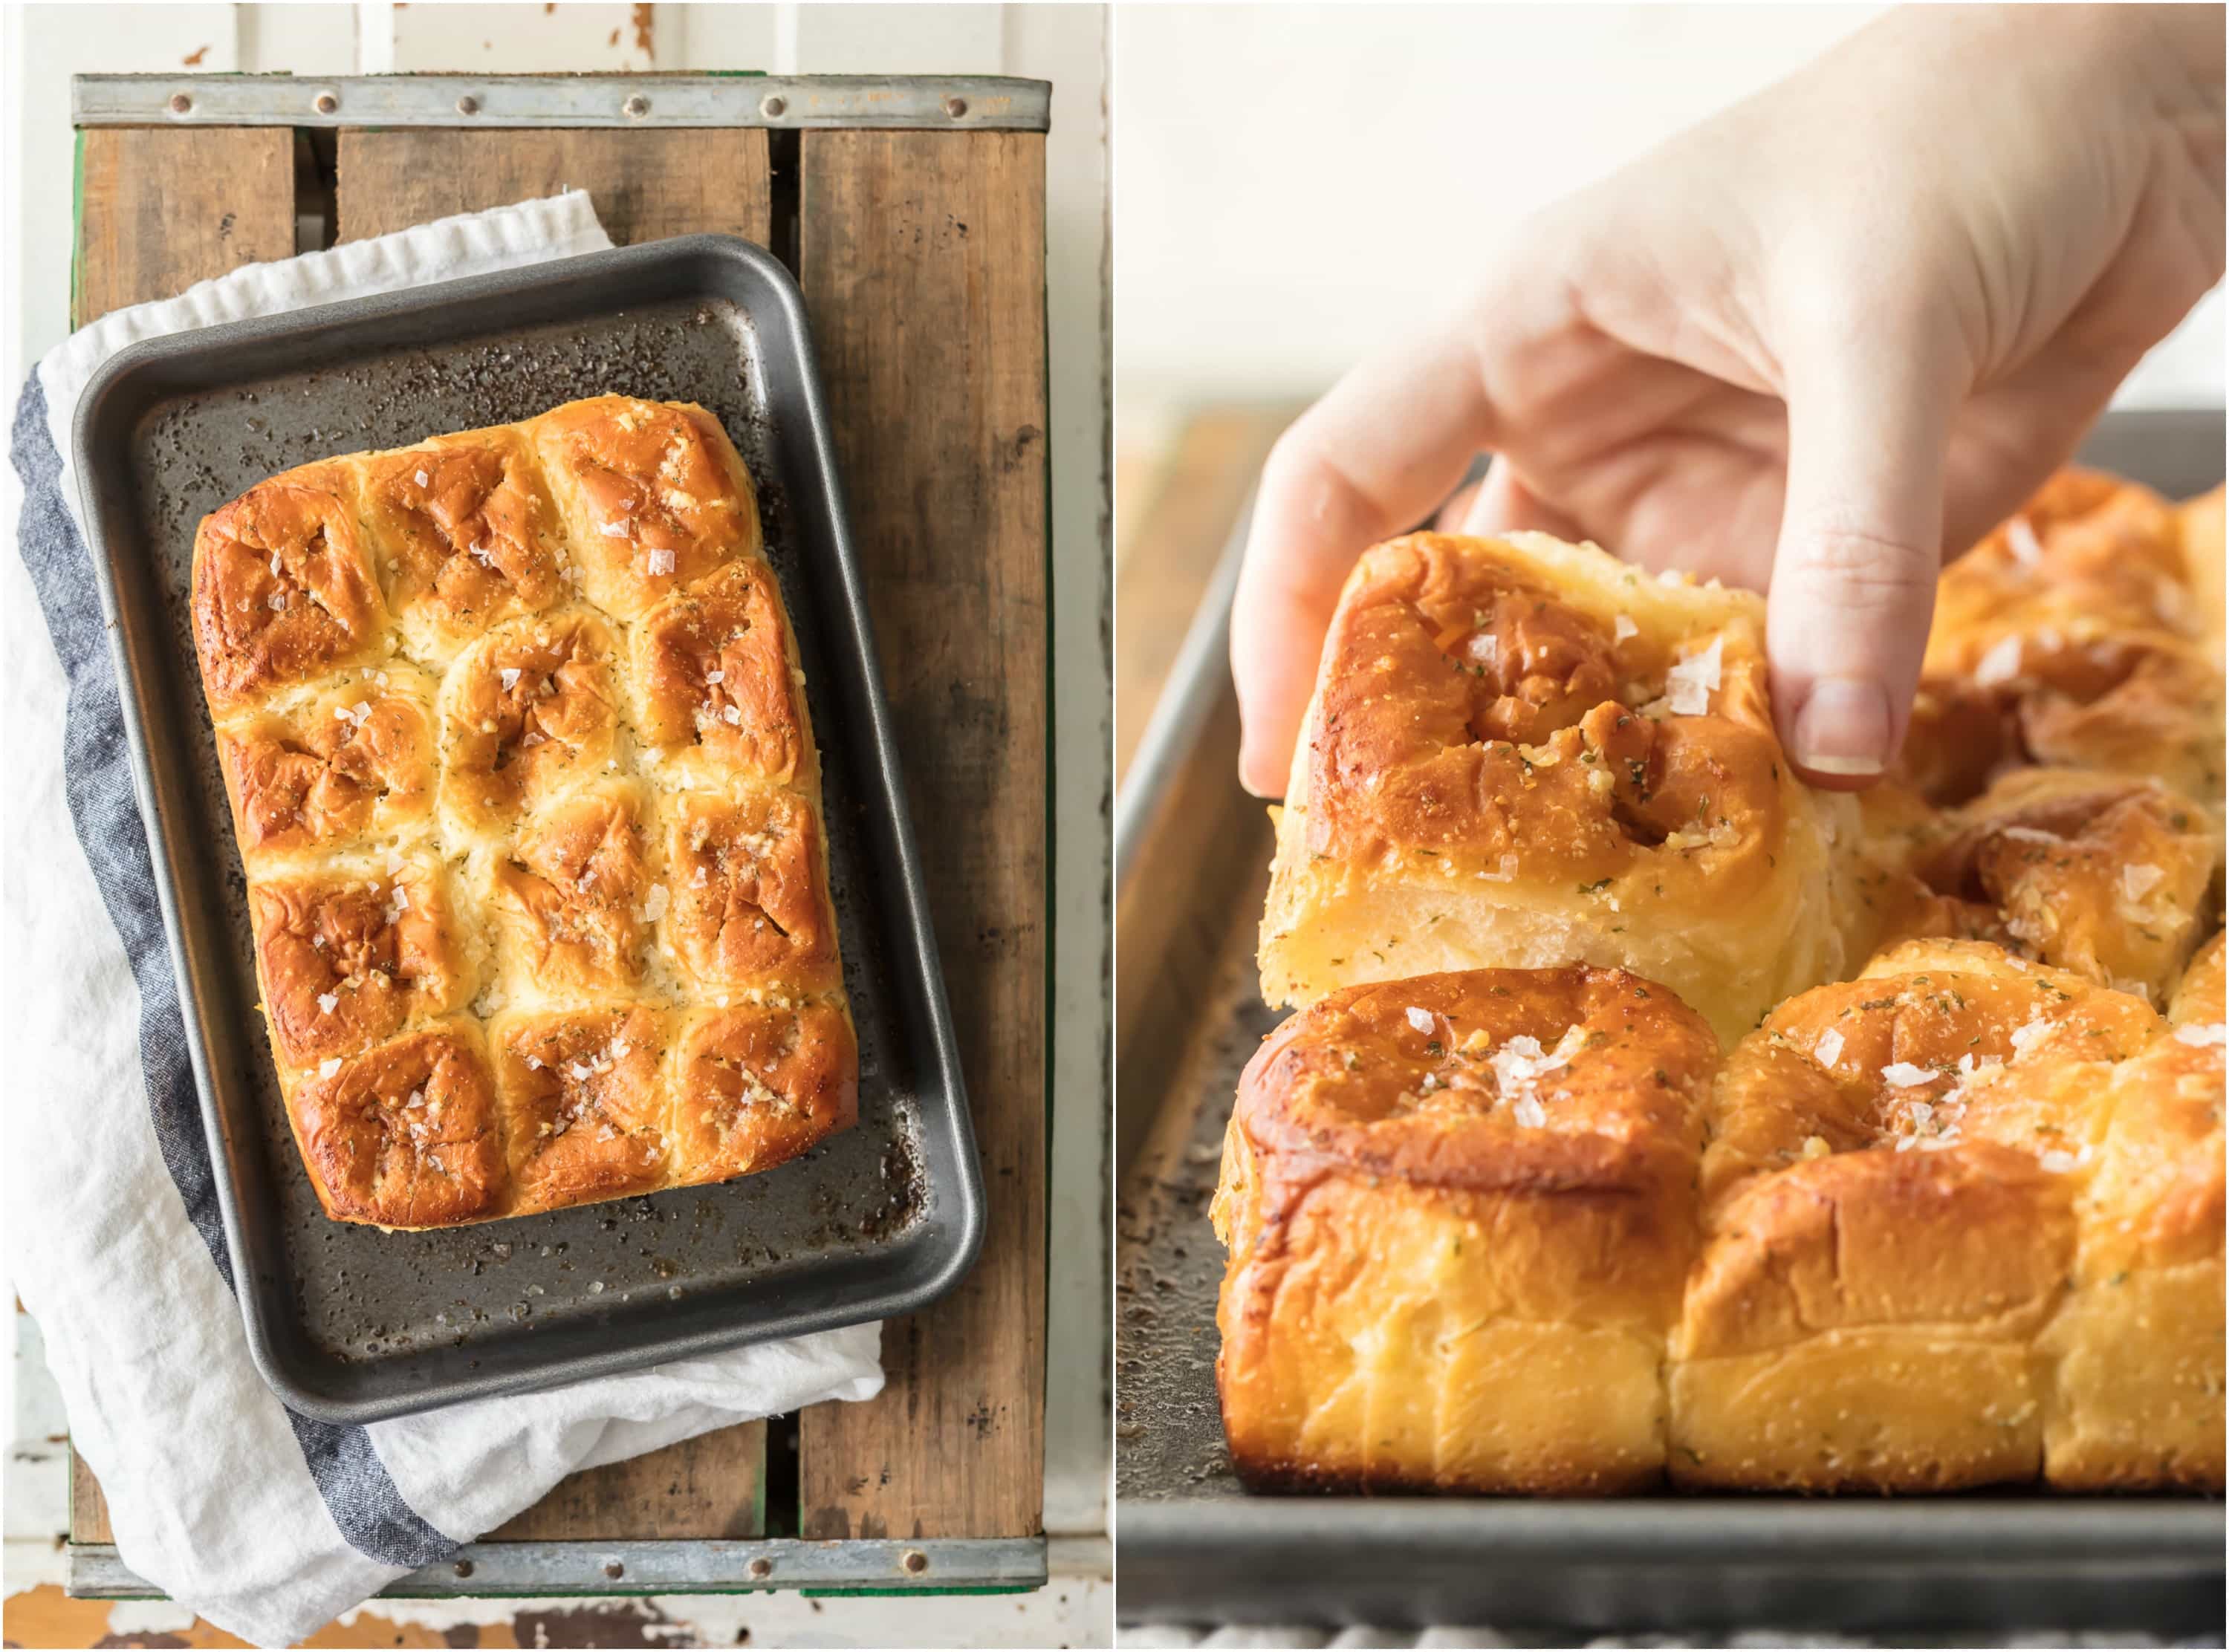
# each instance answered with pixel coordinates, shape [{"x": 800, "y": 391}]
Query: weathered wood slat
[
  {"x": 647, "y": 185},
  {"x": 159, "y": 209},
  {"x": 88, "y": 1511},
  {"x": 708, "y": 1486},
  {"x": 922, "y": 255},
  {"x": 925, "y": 275}
]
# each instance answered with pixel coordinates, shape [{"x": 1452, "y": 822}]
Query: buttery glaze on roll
[
  {"x": 514, "y": 732},
  {"x": 1522, "y": 752},
  {"x": 2077, "y": 635},
  {"x": 2111, "y": 876},
  {"x": 1908, "y": 1197},
  {"x": 1459, "y": 1210},
  {"x": 1958, "y": 1222}
]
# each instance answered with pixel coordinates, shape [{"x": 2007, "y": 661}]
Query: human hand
[{"x": 1801, "y": 347}]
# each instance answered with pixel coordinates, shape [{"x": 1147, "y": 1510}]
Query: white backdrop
[{"x": 1293, "y": 183}]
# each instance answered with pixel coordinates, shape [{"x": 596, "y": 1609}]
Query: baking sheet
[
  {"x": 348, "y": 1323},
  {"x": 1196, "y": 1547}
]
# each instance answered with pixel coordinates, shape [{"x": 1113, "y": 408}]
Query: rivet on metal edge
[
  {"x": 463, "y": 1568},
  {"x": 613, "y": 1569},
  {"x": 635, "y": 107},
  {"x": 327, "y": 103},
  {"x": 181, "y": 104},
  {"x": 955, "y": 107},
  {"x": 774, "y": 108},
  {"x": 468, "y": 104},
  {"x": 914, "y": 1560},
  {"x": 762, "y": 1567}
]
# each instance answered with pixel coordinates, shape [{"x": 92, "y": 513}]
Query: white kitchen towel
[{"x": 265, "y": 1521}]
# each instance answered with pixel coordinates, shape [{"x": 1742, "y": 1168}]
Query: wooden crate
[{"x": 912, "y": 213}]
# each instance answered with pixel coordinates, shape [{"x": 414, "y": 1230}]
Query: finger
[
  {"x": 1860, "y": 542},
  {"x": 1453, "y": 518},
  {"x": 1370, "y": 459},
  {"x": 1503, "y": 505}
]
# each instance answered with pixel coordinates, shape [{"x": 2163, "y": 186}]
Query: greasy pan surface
[
  {"x": 350, "y": 1323},
  {"x": 1196, "y": 1547}
]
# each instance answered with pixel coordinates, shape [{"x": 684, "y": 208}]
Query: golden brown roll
[
  {"x": 2090, "y": 555},
  {"x": 1522, "y": 752},
  {"x": 282, "y": 591},
  {"x": 2105, "y": 875},
  {"x": 470, "y": 533},
  {"x": 514, "y": 732},
  {"x": 349, "y": 955},
  {"x": 748, "y": 868},
  {"x": 1890, "y": 1219},
  {"x": 2135, "y": 1396},
  {"x": 585, "y": 1103},
  {"x": 405, "y": 1134},
  {"x": 344, "y": 765},
  {"x": 528, "y": 713},
  {"x": 568, "y": 898},
  {"x": 2072, "y": 637},
  {"x": 1459, "y": 1210},
  {"x": 653, "y": 496},
  {"x": 718, "y": 676},
  {"x": 759, "y": 1083}
]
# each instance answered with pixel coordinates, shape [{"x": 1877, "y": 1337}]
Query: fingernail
[{"x": 1843, "y": 727}]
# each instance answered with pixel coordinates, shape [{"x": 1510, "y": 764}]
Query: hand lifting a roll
[{"x": 1803, "y": 347}]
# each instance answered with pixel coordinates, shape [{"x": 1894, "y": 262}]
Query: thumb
[{"x": 1860, "y": 545}]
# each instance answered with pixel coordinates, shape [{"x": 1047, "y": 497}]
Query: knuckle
[{"x": 1871, "y": 571}]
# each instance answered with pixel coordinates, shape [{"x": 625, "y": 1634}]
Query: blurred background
[{"x": 1295, "y": 184}]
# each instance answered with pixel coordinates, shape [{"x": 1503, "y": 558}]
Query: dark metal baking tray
[
  {"x": 1195, "y": 1546},
  {"x": 348, "y": 1323}
]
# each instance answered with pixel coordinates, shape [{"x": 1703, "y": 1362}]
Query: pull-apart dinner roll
[
  {"x": 469, "y": 536},
  {"x": 514, "y": 731},
  {"x": 2137, "y": 1345},
  {"x": 2199, "y": 521},
  {"x": 1894, "y": 1209},
  {"x": 2112, "y": 877},
  {"x": 1954, "y": 1222},
  {"x": 1459, "y": 1210},
  {"x": 1522, "y": 752},
  {"x": 2075, "y": 635},
  {"x": 283, "y": 592}
]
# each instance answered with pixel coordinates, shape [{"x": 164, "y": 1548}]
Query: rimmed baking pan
[
  {"x": 1195, "y": 1547},
  {"x": 351, "y": 1324}
]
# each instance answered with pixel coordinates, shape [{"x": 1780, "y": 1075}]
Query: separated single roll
[
  {"x": 1458, "y": 1211},
  {"x": 1893, "y": 1214},
  {"x": 1523, "y": 753},
  {"x": 514, "y": 731}
]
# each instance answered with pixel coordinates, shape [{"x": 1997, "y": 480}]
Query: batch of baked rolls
[
  {"x": 514, "y": 732},
  {"x": 1650, "y": 1117}
]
